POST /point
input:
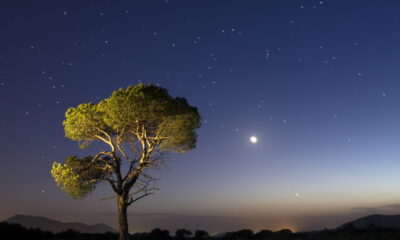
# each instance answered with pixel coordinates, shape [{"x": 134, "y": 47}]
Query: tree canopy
[
  {"x": 145, "y": 117},
  {"x": 140, "y": 124}
]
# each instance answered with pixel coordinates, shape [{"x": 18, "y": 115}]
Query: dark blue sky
[{"x": 316, "y": 81}]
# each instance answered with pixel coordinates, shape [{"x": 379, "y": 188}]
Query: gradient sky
[{"x": 316, "y": 81}]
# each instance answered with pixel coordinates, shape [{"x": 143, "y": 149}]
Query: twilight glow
[{"x": 299, "y": 105}]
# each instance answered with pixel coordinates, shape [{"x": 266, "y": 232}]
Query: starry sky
[{"x": 317, "y": 82}]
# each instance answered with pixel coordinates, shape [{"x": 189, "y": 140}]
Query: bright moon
[{"x": 253, "y": 139}]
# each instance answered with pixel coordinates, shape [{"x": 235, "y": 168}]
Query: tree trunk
[{"x": 122, "y": 217}]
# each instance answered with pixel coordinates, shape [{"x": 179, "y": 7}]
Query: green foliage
[
  {"x": 83, "y": 123},
  {"x": 137, "y": 110},
  {"x": 78, "y": 176},
  {"x": 142, "y": 115}
]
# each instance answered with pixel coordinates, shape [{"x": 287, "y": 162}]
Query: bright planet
[{"x": 253, "y": 139}]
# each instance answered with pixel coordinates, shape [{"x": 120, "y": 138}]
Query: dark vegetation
[{"x": 9, "y": 231}]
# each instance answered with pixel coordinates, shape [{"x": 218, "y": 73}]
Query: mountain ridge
[
  {"x": 378, "y": 220},
  {"x": 47, "y": 224}
]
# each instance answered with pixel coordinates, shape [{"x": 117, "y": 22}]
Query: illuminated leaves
[
  {"x": 79, "y": 176},
  {"x": 144, "y": 117},
  {"x": 143, "y": 111}
]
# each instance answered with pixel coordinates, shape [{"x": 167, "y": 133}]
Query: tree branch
[
  {"x": 108, "y": 198},
  {"x": 138, "y": 198},
  {"x": 112, "y": 185},
  {"x": 123, "y": 153},
  {"x": 106, "y": 141}
]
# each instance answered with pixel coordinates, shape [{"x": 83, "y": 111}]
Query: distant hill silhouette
[
  {"x": 54, "y": 226},
  {"x": 383, "y": 221},
  {"x": 14, "y": 231}
]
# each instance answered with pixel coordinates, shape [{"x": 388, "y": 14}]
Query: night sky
[{"x": 317, "y": 82}]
